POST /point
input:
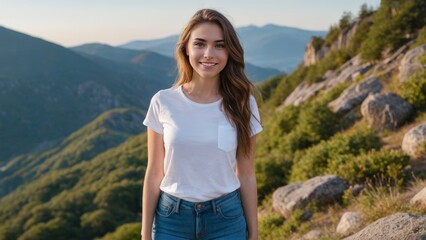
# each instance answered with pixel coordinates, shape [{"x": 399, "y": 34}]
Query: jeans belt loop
[
  {"x": 214, "y": 206},
  {"x": 177, "y": 205}
]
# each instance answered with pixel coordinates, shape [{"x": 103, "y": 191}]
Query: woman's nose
[{"x": 208, "y": 53}]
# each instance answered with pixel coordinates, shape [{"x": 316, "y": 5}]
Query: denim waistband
[{"x": 199, "y": 205}]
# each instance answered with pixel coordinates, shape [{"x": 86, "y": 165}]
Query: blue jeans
[{"x": 219, "y": 219}]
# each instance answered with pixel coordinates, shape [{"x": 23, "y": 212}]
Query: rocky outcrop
[
  {"x": 385, "y": 111},
  {"x": 355, "y": 94},
  {"x": 312, "y": 55},
  {"x": 388, "y": 66},
  {"x": 349, "y": 223},
  {"x": 397, "y": 226},
  {"x": 319, "y": 191},
  {"x": 303, "y": 92},
  {"x": 414, "y": 140},
  {"x": 410, "y": 63},
  {"x": 419, "y": 198},
  {"x": 346, "y": 73}
]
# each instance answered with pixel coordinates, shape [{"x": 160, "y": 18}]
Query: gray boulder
[
  {"x": 355, "y": 94},
  {"x": 346, "y": 73},
  {"x": 349, "y": 223},
  {"x": 414, "y": 139},
  {"x": 410, "y": 64},
  {"x": 394, "y": 227},
  {"x": 419, "y": 198},
  {"x": 385, "y": 111},
  {"x": 319, "y": 191}
]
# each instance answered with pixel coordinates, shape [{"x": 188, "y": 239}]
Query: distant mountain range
[
  {"x": 48, "y": 91},
  {"x": 270, "y": 46},
  {"x": 141, "y": 58}
]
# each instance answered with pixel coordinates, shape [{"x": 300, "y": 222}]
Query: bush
[
  {"x": 274, "y": 227},
  {"x": 414, "y": 90},
  {"x": 315, "y": 160},
  {"x": 346, "y": 21},
  {"x": 266, "y": 87},
  {"x": 384, "y": 164},
  {"x": 332, "y": 35},
  {"x": 317, "y": 42}
]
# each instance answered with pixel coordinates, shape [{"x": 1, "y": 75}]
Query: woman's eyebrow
[{"x": 203, "y": 40}]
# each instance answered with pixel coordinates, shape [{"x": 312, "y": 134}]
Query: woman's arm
[
  {"x": 248, "y": 189},
  {"x": 151, "y": 186}
]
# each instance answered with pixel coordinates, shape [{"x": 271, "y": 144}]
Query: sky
[{"x": 114, "y": 22}]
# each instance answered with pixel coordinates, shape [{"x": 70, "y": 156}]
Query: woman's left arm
[{"x": 248, "y": 190}]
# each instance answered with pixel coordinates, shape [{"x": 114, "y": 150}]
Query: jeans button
[{"x": 200, "y": 205}]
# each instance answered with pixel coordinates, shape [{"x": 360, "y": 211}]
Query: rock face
[
  {"x": 397, "y": 226},
  {"x": 419, "y": 198},
  {"x": 385, "y": 111},
  {"x": 319, "y": 190},
  {"x": 346, "y": 73},
  {"x": 410, "y": 63},
  {"x": 349, "y": 223},
  {"x": 413, "y": 139},
  {"x": 312, "y": 56},
  {"x": 355, "y": 94}
]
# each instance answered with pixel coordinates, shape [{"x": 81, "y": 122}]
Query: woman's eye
[
  {"x": 220, "y": 45},
  {"x": 199, "y": 44}
]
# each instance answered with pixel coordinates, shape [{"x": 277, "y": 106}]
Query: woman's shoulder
[{"x": 165, "y": 94}]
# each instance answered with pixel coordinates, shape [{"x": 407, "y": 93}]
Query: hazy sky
[{"x": 74, "y": 22}]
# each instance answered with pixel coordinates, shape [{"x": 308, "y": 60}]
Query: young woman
[{"x": 200, "y": 181}]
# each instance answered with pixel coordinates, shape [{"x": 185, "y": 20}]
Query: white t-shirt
[{"x": 200, "y": 145}]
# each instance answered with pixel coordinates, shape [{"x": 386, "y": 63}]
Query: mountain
[
  {"x": 157, "y": 61},
  {"x": 270, "y": 46},
  {"x": 48, "y": 91},
  {"x": 83, "y": 188},
  {"x": 108, "y": 130}
]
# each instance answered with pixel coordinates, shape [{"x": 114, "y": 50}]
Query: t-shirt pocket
[{"x": 227, "y": 138}]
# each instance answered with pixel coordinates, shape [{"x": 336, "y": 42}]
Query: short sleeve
[
  {"x": 152, "y": 118},
  {"x": 255, "y": 123}
]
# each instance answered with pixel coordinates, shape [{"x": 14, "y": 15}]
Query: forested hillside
[{"x": 347, "y": 111}]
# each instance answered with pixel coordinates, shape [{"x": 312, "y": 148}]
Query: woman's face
[{"x": 206, "y": 51}]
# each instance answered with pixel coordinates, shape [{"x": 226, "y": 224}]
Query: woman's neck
[{"x": 201, "y": 90}]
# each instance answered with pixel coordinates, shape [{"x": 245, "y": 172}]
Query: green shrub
[
  {"x": 346, "y": 20},
  {"x": 271, "y": 173},
  {"x": 384, "y": 164},
  {"x": 268, "y": 86},
  {"x": 274, "y": 227},
  {"x": 315, "y": 160},
  {"x": 414, "y": 90},
  {"x": 332, "y": 35},
  {"x": 317, "y": 42}
]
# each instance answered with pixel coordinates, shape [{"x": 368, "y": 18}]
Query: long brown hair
[{"x": 234, "y": 87}]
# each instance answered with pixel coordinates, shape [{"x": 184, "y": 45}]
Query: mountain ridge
[{"x": 259, "y": 43}]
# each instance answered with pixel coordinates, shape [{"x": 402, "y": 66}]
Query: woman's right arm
[{"x": 151, "y": 186}]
